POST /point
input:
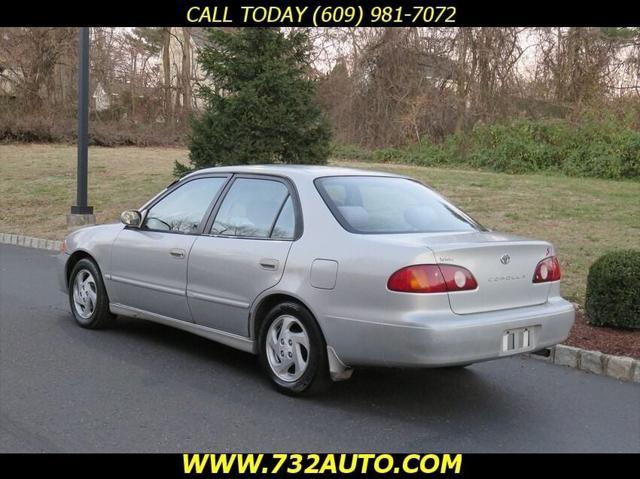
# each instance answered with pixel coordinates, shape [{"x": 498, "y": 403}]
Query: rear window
[{"x": 386, "y": 205}]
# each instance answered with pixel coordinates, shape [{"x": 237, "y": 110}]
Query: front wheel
[
  {"x": 88, "y": 296},
  {"x": 292, "y": 350}
]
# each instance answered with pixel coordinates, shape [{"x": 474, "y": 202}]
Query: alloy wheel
[{"x": 85, "y": 294}]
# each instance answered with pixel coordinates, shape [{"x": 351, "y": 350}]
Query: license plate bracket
[{"x": 517, "y": 340}]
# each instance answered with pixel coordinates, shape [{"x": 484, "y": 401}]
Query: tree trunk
[
  {"x": 186, "y": 70},
  {"x": 166, "y": 70},
  {"x": 132, "y": 84},
  {"x": 461, "y": 77}
]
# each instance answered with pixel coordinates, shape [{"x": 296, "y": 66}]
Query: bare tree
[
  {"x": 29, "y": 57},
  {"x": 166, "y": 70},
  {"x": 379, "y": 86},
  {"x": 186, "y": 70}
]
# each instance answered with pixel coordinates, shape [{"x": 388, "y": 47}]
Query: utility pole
[{"x": 81, "y": 213}]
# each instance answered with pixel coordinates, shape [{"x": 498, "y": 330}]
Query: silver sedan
[{"x": 318, "y": 270}]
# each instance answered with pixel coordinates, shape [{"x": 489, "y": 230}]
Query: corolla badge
[{"x": 505, "y": 259}]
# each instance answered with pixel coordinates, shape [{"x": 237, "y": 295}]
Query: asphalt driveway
[{"x": 146, "y": 387}]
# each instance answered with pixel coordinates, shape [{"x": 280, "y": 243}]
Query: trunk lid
[{"x": 503, "y": 266}]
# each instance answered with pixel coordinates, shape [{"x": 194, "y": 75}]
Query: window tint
[
  {"x": 183, "y": 209},
  {"x": 369, "y": 204},
  {"x": 250, "y": 208},
  {"x": 286, "y": 224}
]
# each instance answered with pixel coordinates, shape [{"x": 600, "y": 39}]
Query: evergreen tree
[{"x": 260, "y": 105}]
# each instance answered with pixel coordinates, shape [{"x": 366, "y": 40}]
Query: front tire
[
  {"x": 88, "y": 297},
  {"x": 293, "y": 352}
]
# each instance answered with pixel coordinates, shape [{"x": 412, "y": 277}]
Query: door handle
[
  {"x": 269, "y": 263},
  {"x": 177, "y": 253}
]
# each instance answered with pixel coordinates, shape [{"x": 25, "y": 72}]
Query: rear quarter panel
[{"x": 365, "y": 263}]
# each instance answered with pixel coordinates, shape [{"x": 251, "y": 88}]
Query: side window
[
  {"x": 250, "y": 208},
  {"x": 286, "y": 225},
  {"x": 182, "y": 210}
]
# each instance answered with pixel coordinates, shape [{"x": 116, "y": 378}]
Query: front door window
[{"x": 182, "y": 210}]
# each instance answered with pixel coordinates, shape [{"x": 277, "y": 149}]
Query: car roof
[{"x": 292, "y": 171}]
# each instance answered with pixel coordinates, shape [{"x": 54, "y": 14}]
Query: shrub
[
  {"x": 350, "y": 152},
  {"x": 30, "y": 129},
  {"x": 41, "y": 128},
  {"x": 114, "y": 134},
  {"x": 593, "y": 147},
  {"x": 390, "y": 155},
  {"x": 613, "y": 290}
]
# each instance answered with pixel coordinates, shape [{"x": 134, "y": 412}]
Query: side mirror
[{"x": 131, "y": 218}]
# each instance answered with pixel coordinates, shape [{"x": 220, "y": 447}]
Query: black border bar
[
  {"x": 174, "y": 12},
  {"x": 160, "y": 466}
]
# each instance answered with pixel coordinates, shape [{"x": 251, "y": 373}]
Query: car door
[
  {"x": 244, "y": 252},
  {"x": 149, "y": 264}
]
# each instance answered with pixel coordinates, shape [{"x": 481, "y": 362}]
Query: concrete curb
[
  {"x": 30, "y": 242},
  {"x": 618, "y": 367}
]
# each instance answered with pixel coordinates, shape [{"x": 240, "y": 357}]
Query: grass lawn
[{"x": 582, "y": 217}]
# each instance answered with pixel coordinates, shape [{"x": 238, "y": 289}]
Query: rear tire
[
  {"x": 293, "y": 352},
  {"x": 88, "y": 297}
]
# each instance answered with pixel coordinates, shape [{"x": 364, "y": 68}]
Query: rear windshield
[{"x": 374, "y": 204}]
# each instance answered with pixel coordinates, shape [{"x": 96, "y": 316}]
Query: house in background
[
  {"x": 8, "y": 80},
  {"x": 101, "y": 100}
]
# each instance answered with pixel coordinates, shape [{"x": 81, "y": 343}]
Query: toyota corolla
[{"x": 319, "y": 270}]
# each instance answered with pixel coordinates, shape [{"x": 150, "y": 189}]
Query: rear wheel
[
  {"x": 292, "y": 350},
  {"x": 88, "y": 297}
]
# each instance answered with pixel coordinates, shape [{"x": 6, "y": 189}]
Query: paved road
[{"x": 145, "y": 387}]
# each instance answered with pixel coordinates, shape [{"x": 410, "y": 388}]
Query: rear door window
[
  {"x": 251, "y": 208},
  {"x": 285, "y": 226}
]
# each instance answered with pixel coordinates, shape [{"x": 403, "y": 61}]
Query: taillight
[
  {"x": 421, "y": 278},
  {"x": 547, "y": 270},
  {"x": 431, "y": 278},
  {"x": 458, "y": 278}
]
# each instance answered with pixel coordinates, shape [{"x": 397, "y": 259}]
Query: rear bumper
[{"x": 447, "y": 340}]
